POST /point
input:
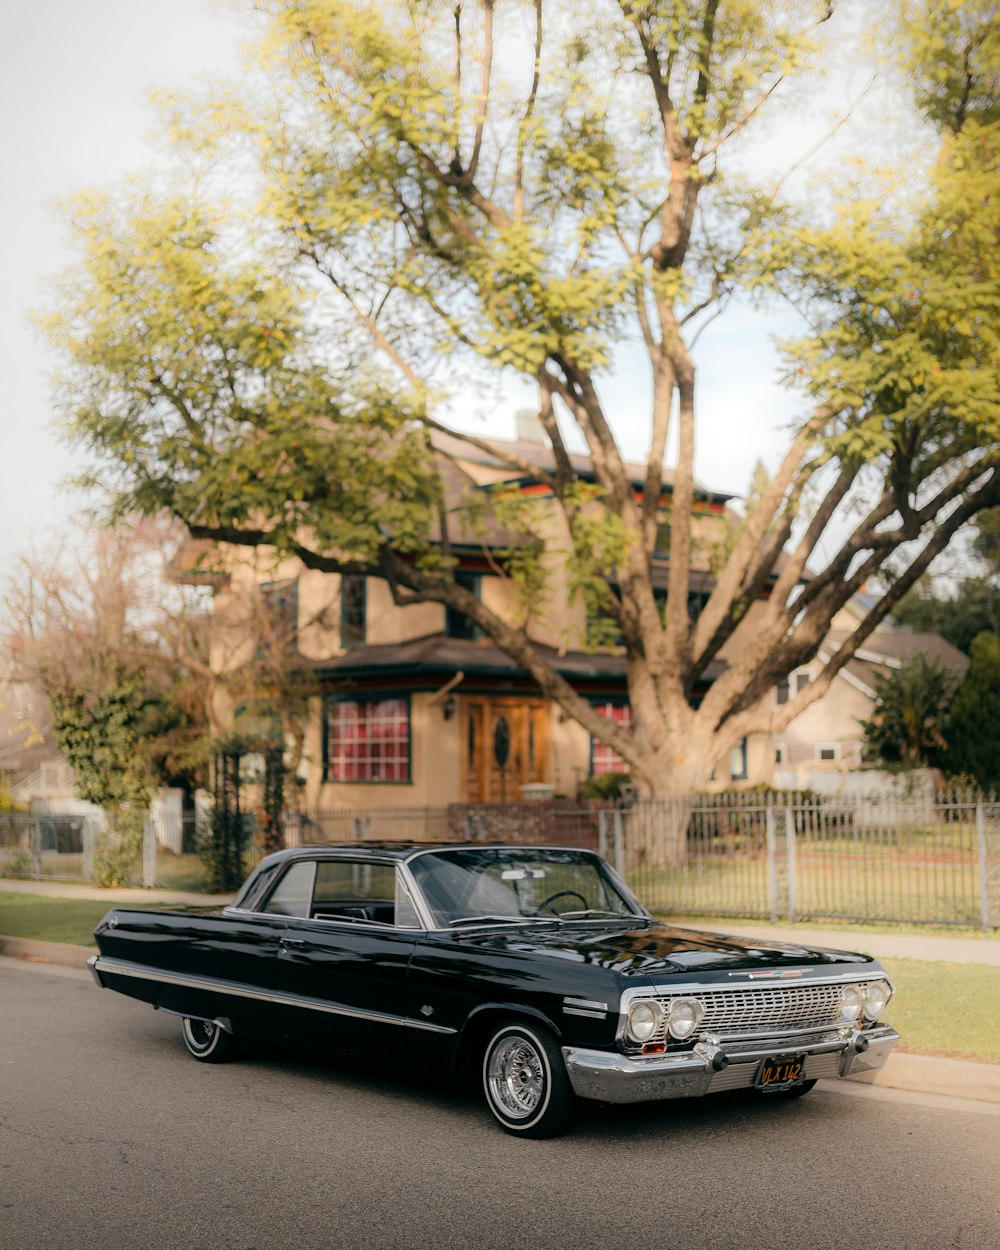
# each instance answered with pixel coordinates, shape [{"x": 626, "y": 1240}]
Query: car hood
[{"x": 655, "y": 948}]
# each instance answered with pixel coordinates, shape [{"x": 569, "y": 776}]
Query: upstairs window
[
  {"x": 279, "y": 619},
  {"x": 738, "y": 761},
  {"x": 353, "y": 611},
  {"x": 605, "y": 759},
  {"x": 457, "y": 624},
  {"x": 368, "y": 740}
]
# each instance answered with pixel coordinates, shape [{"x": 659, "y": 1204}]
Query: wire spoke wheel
[
  {"x": 516, "y": 1076},
  {"x": 525, "y": 1081}
]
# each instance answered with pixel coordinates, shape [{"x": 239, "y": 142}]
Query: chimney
[{"x": 529, "y": 427}]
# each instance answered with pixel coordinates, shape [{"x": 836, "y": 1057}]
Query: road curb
[
  {"x": 925, "y": 1074},
  {"x": 930, "y": 1074},
  {"x": 32, "y": 950}
]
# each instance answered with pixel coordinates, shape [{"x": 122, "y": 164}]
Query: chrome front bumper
[{"x": 713, "y": 1066}]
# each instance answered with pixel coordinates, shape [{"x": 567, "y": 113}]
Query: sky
[{"x": 74, "y": 80}]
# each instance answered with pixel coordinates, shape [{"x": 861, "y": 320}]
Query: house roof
[
  {"x": 889, "y": 649},
  {"x": 440, "y": 655},
  {"x": 540, "y": 454}
]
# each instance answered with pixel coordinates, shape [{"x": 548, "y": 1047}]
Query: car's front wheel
[
  {"x": 525, "y": 1081},
  {"x": 208, "y": 1041}
]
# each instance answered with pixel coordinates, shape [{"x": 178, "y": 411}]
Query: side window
[
  {"x": 292, "y": 895},
  {"x": 362, "y": 892}
]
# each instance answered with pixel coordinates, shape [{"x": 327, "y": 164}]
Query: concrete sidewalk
[{"x": 151, "y": 898}]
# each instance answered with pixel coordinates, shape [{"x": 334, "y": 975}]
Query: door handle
[{"x": 289, "y": 943}]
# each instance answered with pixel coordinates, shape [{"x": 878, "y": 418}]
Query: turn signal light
[{"x": 654, "y": 1048}]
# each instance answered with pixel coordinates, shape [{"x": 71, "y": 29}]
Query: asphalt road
[{"x": 111, "y": 1137}]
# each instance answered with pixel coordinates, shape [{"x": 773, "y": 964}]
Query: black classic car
[{"x": 533, "y": 969}]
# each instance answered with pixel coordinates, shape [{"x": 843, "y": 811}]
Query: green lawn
[
  {"x": 50, "y": 919},
  {"x": 914, "y": 888},
  {"x": 946, "y": 1009}
]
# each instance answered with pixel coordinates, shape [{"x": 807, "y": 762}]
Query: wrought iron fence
[{"x": 920, "y": 860}]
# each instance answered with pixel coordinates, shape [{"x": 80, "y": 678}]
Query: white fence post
[
  {"x": 35, "y": 848},
  {"x": 619, "y": 835},
  {"x": 149, "y": 844},
  {"x": 790, "y": 860},
  {"x": 772, "y": 863},
  {"x": 602, "y": 833},
  {"x": 984, "y": 866},
  {"x": 88, "y": 836}
]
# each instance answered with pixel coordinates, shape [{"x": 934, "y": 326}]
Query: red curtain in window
[{"x": 603, "y": 758}]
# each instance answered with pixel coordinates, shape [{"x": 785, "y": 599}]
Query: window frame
[
  {"x": 360, "y": 639},
  {"x": 820, "y": 747},
  {"x": 401, "y": 885},
  {"x": 385, "y": 696},
  {"x": 596, "y": 744},
  {"x": 744, "y": 774},
  {"x": 280, "y": 610},
  {"x": 456, "y": 623}
]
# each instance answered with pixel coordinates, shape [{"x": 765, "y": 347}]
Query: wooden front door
[{"x": 506, "y": 747}]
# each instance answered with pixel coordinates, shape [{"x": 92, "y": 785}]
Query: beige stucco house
[{"x": 410, "y": 707}]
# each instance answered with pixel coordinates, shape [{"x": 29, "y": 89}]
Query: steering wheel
[{"x": 560, "y": 894}]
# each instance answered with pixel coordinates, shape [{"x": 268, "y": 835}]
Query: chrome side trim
[
  {"x": 122, "y": 967},
  {"x": 588, "y": 1007},
  {"x": 92, "y": 965}
]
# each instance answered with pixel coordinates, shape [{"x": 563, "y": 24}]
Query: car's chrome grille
[{"x": 766, "y": 1008}]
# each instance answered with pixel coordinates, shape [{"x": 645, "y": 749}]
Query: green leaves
[
  {"x": 99, "y": 737},
  {"x": 911, "y": 704}
]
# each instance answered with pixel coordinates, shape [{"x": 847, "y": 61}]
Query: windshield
[{"x": 497, "y": 884}]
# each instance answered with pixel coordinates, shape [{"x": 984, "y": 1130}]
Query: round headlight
[
  {"x": 683, "y": 1017},
  {"x": 643, "y": 1020},
  {"x": 851, "y": 1002},
  {"x": 877, "y": 996}
]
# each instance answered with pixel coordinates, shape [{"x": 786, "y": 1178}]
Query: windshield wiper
[
  {"x": 503, "y": 920},
  {"x": 604, "y": 915}
]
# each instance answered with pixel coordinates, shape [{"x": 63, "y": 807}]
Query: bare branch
[
  {"x": 526, "y": 118},
  {"x": 484, "y": 90}
]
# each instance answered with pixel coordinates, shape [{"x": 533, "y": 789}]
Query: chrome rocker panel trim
[
  {"x": 609, "y": 1076},
  {"x": 121, "y": 967}
]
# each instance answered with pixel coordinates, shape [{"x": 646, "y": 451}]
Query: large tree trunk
[{"x": 669, "y": 783}]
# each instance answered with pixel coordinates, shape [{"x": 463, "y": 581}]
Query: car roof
[{"x": 403, "y": 850}]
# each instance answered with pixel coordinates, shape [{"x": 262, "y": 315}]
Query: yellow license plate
[{"x": 780, "y": 1072}]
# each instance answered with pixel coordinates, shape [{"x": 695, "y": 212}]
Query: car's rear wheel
[
  {"x": 525, "y": 1081},
  {"x": 207, "y": 1041},
  {"x": 793, "y": 1091}
]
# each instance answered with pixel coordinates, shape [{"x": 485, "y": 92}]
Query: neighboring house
[
  {"x": 827, "y": 738},
  {"x": 29, "y": 760}
]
